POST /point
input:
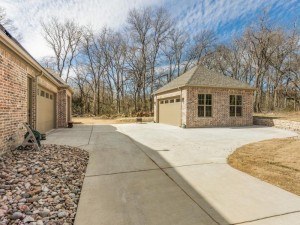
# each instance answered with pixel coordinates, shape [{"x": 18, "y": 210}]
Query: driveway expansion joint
[
  {"x": 210, "y": 216},
  {"x": 196, "y": 164},
  {"x": 90, "y": 135},
  {"x": 125, "y": 172}
]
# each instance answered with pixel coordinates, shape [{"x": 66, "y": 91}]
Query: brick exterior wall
[
  {"x": 14, "y": 72},
  {"x": 282, "y": 124},
  {"x": 13, "y": 100},
  {"x": 220, "y": 108}
]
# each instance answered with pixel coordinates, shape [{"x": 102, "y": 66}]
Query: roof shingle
[{"x": 203, "y": 77}]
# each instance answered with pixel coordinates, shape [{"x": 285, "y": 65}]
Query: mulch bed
[{"x": 41, "y": 187}]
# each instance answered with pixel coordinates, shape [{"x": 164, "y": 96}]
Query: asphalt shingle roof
[{"x": 203, "y": 77}]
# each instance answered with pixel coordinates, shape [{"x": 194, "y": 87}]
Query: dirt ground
[
  {"x": 275, "y": 161},
  {"x": 96, "y": 120},
  {"x": 293, "y": 116}
]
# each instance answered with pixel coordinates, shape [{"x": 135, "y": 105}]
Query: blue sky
[{"x": 228, "y": 18}]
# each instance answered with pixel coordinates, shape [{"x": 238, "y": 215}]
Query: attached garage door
[
  {"x": 46, "y": 113},
  {"x": 170, "y": 111}
]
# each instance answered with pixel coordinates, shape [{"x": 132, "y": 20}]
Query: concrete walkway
[{"x": 153, "y": 174}]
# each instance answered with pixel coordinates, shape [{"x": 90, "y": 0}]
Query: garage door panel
[
  {"x": 170, "y": 112},
  {"x": 46, "y": 115}
]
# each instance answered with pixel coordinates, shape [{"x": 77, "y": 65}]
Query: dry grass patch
[{"x": 275, "y": 161}]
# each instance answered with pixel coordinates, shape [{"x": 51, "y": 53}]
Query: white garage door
[
  {"x": 170, "y": 111},
  {"x": 46, "y": 113}
]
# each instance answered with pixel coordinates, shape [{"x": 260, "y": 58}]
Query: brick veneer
[
  {"x": 14, "y": 72},
  {"x": 13, "y": 100},
  {"x": 61, "y": 108},
  {"x": 220, "y": 107}
]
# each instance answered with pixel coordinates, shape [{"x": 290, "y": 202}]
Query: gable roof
[{"x": 200, "y": 76}]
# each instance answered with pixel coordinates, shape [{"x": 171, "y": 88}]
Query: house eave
[
  {"x": 201, "y": 86},
  {"x": 29, "y": 59}
]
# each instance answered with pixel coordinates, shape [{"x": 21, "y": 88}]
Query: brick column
[{"x": 61, "y": 103}]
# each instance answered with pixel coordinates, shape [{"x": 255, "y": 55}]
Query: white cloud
[
  {"x": 217, "y": 14},
  {"x": 97, "y": 13},
  {"x": 192, "y": 15}
]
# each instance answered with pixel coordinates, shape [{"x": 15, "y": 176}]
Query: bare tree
[
  {"x": 115, "y": 72},
  {"x": 8, "y": 24},
  {"x": 161, "y": 27},
  {"x": 95, "y": 62},
  {"x": 139, "y": 25},
  {"x": 63, "y": 39},
  {"x": 174, "y": 52},
  {"x": 116, "y": 53}
]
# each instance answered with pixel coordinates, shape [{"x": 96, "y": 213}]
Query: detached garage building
[
  {"x": 28, "y": 93},
  {"x": 204, "y": 98}
]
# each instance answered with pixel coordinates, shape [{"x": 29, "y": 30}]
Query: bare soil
[
  {"x": 97, "y": 120},
  {"x": 275, "y": 161},
  {"x": 292, "y": 116}
]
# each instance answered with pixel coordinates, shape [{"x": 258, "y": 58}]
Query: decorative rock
[
  {"x": 39, "y": 222},
  {"x": 58, "y": 206},
  {"x": 24, "y": 208},
  {"x": 17, "y": 215},
  {"x": 41, "y": 202},
  {"x": 35, "y": 191},
  {"x": 45, "y": 189},
  {"x": 62, "y": 214},
  {"x": 2, "y": 212},
  {"x": 21, "y": 169},
  {"x": 27, "y": 185},
  {"x": 28, "y": 219},
  {"x": 72, "y": 195},
  {"x": 44, "y": 213},
  {"x": 53, "y": 194},
  {"x": 25, "y": 195},
  {"x": 51, "y": 178},
  {"x": 33, "y": 199}
]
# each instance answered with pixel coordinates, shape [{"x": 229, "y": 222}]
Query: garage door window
[
  {"x": 204, "y": 105},
  {"x": 235, "y": 102}
]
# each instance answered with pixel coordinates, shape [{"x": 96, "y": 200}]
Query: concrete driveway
[{"x": 154, "y": 174}]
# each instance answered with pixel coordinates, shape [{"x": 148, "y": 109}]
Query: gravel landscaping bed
[{"x": 41, "y": 187}]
